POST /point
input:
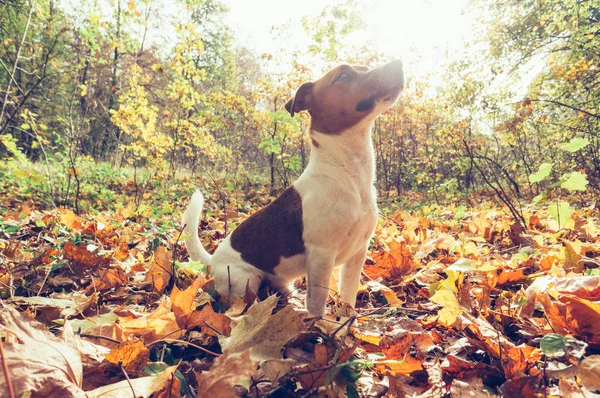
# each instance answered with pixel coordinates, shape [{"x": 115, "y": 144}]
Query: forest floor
[{"x": 454, "y": 301}]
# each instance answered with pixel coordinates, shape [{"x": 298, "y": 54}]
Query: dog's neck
[{"x": 348, "y": 157}]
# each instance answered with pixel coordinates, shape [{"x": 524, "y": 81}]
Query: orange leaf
[
  {"x": 81, "y": 256},
  {"x": 133, "y": 356},
  {"x": 208, "y": 316},
  {"x": 396, "y": 262},
  {"x": 69, "y": 219},
  {"x": 152, "y": 327},
  {"x": 182, "y": 302},
  {"x": 107, "y": 279}
]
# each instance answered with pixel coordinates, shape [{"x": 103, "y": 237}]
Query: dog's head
[{"x": 347, "y": 95}]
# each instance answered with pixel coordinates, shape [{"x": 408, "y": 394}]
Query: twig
[
  {"x": 11, "y": 77},
  {"x": 11, "y": 391},
  {"x": 305, "y": 372},
  {"x": 214, "y": 329},
  {"x": 188, "y": 343},
  {"x": 175, "y": 252},
  {"x": 349, "y": 321},
  {"x": 45, "y": 278},
  {"x": 127, "y": 377},
  {"x": 93, "y": 336}
]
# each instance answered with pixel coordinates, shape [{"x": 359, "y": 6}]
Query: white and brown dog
[{"x": 326, "y": 218}]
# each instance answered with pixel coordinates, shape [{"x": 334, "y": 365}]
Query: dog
[{"x": 326, "y": 218}]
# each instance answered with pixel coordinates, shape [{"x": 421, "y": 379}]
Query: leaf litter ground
[{"x": 452, "y": 303}]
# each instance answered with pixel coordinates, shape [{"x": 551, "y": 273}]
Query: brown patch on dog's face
[{"x": 348, "y": 94}]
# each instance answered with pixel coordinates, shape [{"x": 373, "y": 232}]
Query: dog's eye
[{"x": 342, "y": 76}]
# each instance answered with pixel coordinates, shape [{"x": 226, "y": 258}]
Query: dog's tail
[{"x": 190, "y": 223}]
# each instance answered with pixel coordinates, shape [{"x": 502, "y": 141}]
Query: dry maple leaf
[
  {"x": 82, "y": 256},
  {"x": 70, "y": 219},
  {"x": 261, "y": 333},
  {"x": 394, "y": 263},
  {"x": 154, "y": 326},
  {"x": 38, "y": 362},
  {"x": 182, "y": 303},
  {"x": 227, "y": 371},
  {"x": 451, "y": 309},
  {"x": 160, "y": 271},
  {"x": 107, "y": 279}
]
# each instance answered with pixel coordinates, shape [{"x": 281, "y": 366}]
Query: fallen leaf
[
  {"x": 227, "y": 371},
  {"x": 144, "y": 386},
  {"x": 261, "y": 333},
  {"x": 451, "y": 309},
  {"x": 160, "y": 271},
  {"x": 132, "y": 355},
  {"x": 39, "y": 362},
  {"x": 589, "y": 372}
]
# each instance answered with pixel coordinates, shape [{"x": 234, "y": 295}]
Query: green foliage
[
  {"x": 330, "y": 28},
  {"x": 561, "y": 212},
  {"x": 543, "y": 172},
  {"x": 575, "y": 181},
  {"x": 575, "y": 144}
]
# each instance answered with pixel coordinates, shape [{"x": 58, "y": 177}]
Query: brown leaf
[
  {"x": 208, "y": 316},
  {"x": 106, "y": 280},
  {"x": 468, "y": 388},
  {"x": 83, "y": 257},
  {"x": 160, "y": 271},
  {"x": 38, "y": 361},
  {"x": 590, "y": 372},
  {"x": 182, "y": 303},
  {"x": 392, "y": 263},
  {"x": 227, "y": 371},
  {"x": 261, "y": 333}
]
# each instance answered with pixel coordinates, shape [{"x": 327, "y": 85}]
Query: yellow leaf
[{"x": 451, "y": 308}]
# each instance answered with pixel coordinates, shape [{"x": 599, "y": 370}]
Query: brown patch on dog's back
[{"x": 273, "y": 232}]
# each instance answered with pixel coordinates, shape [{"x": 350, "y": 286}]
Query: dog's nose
[{"x": 396, "y": 64}]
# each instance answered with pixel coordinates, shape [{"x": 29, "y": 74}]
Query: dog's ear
[{"x": 301, "y": 100}]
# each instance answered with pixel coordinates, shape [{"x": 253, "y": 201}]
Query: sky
[{"x": 420, "y": 32}]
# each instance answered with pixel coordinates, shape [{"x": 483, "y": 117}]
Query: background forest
[
  {"x": 83, "y": 92},
  {"x": 482, "y": 277}
]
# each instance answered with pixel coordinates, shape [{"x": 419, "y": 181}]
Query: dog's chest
[{"x": 357, "y": 231}]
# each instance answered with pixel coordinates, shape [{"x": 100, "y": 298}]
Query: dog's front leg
[
  {"x": 350, "y": 277},
  {"x": 320, "y": 266}
]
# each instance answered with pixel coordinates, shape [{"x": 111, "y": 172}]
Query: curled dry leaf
[
  {"x": 107, "y": 279},
  {"x": 590, "y": 372},
  {"x": 144, "y": 387},
  {"x": 152, "y": 327},
  {"x": 227, "y": 371},
  {"x": 82, "y": 257},
  {"x": 187, "y": 317},
  {"x": 38, "y": 361},
  {"x": 263, "y": 334},
  {"x": 160, "y": 271}
]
